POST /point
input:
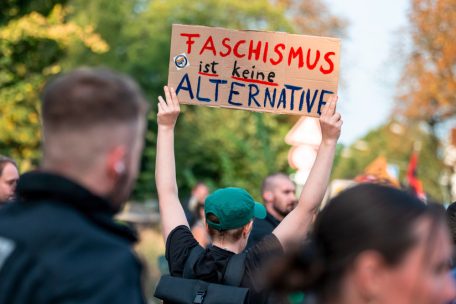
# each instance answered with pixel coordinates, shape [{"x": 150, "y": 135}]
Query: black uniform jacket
[{"x": 59, "y": 243}]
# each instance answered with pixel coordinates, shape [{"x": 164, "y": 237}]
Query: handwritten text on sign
[{"x": 258, "y": 71}]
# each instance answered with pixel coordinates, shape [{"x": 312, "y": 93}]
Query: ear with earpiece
[
  {"x": 115, "y": 162},
  {"x": 119, "y": 167}
]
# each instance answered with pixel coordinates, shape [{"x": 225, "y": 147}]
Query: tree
[
  {"x": 313, "y": 18},
  {"x": 31, "y": 47},
  {"x": 428, "y": 85},
  {"x": 224, "y": 155},
  {"x": 395, "y": 141},
  {"x": 222, "y": 147}
]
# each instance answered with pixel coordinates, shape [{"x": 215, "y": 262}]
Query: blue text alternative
[{"x": 273, "y": 97}]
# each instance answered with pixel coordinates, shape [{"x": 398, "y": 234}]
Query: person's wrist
[
  {"x": 330, "y": 142},
  {"x": 166, "y": 127}
]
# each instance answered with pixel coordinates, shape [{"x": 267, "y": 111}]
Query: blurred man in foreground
[
  {"x": 59, "y": 242},
  {"x": 9, "y": 175}
]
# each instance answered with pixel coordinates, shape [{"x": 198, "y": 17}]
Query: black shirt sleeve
[
  {"x": 178, "y": 246},
  {"x": 258, "y": 257}
]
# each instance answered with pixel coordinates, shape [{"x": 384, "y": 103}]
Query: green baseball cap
[{"x": 234, "y": 207}]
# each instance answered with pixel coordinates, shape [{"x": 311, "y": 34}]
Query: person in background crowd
[
  {"x": 199, "y": 226},
  {"x": 229, "y": 211},
  {"x": 59, "y": 242},
  {"x": 199, "y": 193},
  {"x": 9, "y": 175},
  {"x": 373, "y": 244},
  {"x": 451, "y": 218},
  {"x": 279, "y": 197}
]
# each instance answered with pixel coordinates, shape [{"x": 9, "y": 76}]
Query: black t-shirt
[{"x": 211, "y": 265}]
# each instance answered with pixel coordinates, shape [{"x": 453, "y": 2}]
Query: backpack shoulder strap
[
  {"x": 235, "y": 270},
  {"x": 195, "y": 253}
]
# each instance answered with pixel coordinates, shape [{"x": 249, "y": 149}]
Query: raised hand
[
  {"x": 295, "y": 226},
  {"x": 168, "y": 110},
  {"x": 171, "y": 212},
  {"x": 330, "y": 122}
]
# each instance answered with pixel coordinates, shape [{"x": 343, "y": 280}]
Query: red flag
[{"x": 412, "y": 177}]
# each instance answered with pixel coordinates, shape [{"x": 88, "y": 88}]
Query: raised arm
[
  {"x": 295, "y": 226},
  {"x": 171, "y": 211}
]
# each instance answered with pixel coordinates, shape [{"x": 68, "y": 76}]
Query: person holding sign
[{"x": 230, "y": 211}]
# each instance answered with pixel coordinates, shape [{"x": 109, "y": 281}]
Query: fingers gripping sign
[
  {"x": 330, "y": 122},
  {"x": 169, "y": 109}
]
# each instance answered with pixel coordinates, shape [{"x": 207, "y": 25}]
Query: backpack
[{"x": 189, "y": 290}]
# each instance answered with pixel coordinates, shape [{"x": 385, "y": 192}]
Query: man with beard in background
[{"x": 279, "y": 197}]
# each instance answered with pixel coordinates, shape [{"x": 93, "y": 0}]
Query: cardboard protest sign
[{"x": 258, "y": 71}]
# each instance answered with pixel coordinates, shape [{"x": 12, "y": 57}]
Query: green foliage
[
  {"x": 31, "y": 47},
  {"x": 222, "y": 147},
  {"x": 396, "y": 141},
  {"x": 226, "y": 147},
  {"x": 13, "y": 9}
]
